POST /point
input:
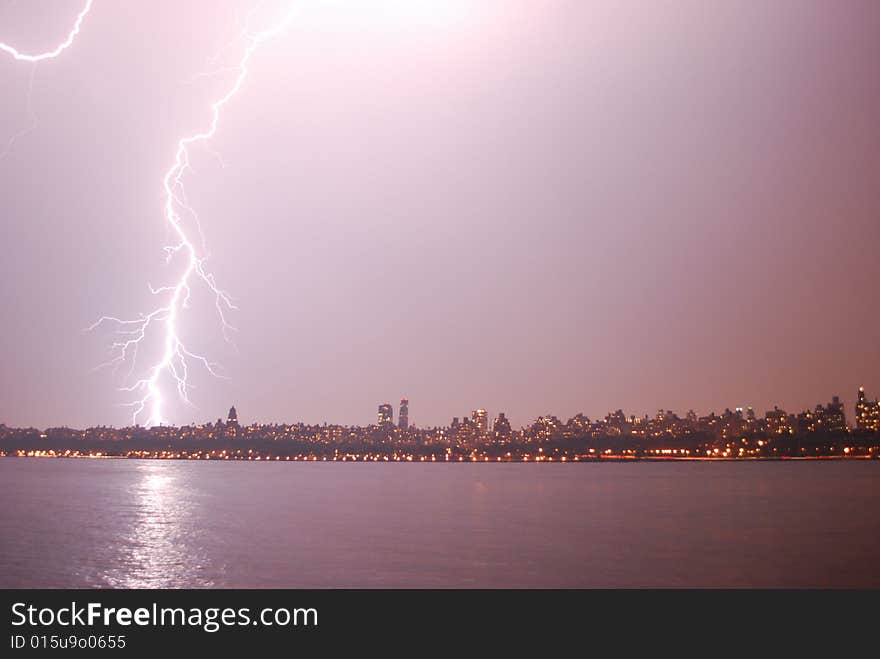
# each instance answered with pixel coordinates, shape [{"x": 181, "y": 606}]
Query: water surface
[{"x": 133, "y": 523}]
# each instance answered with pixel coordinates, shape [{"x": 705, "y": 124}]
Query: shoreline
[{"x": 587, "y": 460}]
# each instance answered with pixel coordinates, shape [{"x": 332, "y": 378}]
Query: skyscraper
[
  {"x": 836, "y": 416},
  {"x": 501, "y": 427},
  {"x": 232, "y": 418},
  {"x": 386, "y": 415},
  {"x": 867, "y": 412},
  {"x": 777, "y": 422},
  {"x": 403, "y": 417},
  {"x": 829, "y": 419},
  {"x": 481, "y": 420}
]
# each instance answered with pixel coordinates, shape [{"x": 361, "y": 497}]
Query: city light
[{"x": 732, "y": 435}]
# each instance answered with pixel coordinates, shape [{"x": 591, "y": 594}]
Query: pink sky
[{"x": 532, "y": 207}]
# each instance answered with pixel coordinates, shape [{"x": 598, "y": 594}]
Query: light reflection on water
[
  {"x": 130, "y": 524},
  {"x": 161, "y": 545}
]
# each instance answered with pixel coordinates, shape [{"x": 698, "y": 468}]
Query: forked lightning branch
[{"x": 166, "y": 319}]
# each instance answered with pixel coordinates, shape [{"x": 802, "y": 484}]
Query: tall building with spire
[
  {"x": 403, "y": 417},
  {"x": 232, "y": 418}
]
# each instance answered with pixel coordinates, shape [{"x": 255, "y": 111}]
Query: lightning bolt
[
  {"x": 33, "y": 59},
  {"x": 165, "y": 319},
  {"x": 50, "y": 54}
]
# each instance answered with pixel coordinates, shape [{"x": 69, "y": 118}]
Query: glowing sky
[{"x": 533, "y": 207}]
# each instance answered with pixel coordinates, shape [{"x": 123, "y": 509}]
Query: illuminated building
[
  {"x": 403, "y": 417},
  {"x": 617, "y": 423},
  {"x": 835, "y": 416},
  {"x": 778, "y": 422},
  {"x": 818, "y": 432},
  {"x": 867, "y": 412},
  {"x": 501, "y": 427},
  {"x": 830, "y": 418},
  {"x": 386, "y": 415},
  {"x": 544, "y": 428},
  {"x": 481, "y": 420}
]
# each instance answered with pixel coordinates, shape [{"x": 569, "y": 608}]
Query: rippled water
[{"x": 126, "y": 523}]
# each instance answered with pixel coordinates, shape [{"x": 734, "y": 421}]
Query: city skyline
[
  {"x": 821, "y": 432},
  {"x": 863, "y": 414}
]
